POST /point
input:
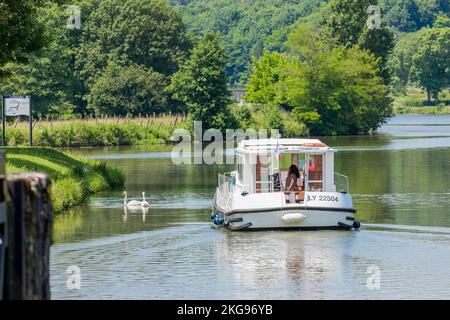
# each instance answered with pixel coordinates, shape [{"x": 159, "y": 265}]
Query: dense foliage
[
  {"x": 49, "y": 76},
  {"x": 347, "y": 23},
  {"x": 201, "y": 84},
  {"x": 412, "y": 15},
  {"x": 119, "y": 62},
  {"x": 20, "y": 30},
  {"x": 134, "y": 57},
  {"x": 142, "y": 32},
  {"x": 423, "y": 58},
  {"x": 247, "y": 26},
  {"x": 331, "y": 88}
]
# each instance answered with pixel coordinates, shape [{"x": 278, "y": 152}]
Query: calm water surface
[{"x": 400, "y": 182}]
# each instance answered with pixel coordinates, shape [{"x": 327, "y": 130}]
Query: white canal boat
[{"x": 255, "y": 197}]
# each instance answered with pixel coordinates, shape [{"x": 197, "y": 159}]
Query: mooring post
[
  {"x": 29, "y": 225},
  {"x": 3, "y": 227}
]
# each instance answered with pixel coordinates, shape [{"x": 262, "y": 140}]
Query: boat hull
[{"x": 288, "y": 219}]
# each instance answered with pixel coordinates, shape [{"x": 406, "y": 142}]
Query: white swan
[
  {"x": 132, "y": 203},
  {"x": 144, "y": 203}
]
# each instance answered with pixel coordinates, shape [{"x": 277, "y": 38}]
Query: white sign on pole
[{"x": 17, "y": 106}]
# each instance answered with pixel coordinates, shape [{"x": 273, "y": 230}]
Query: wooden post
[
  {"x": 3, "y": 123},
  {"x": 29, "y": 225},
  {"x": 3, "y": 227}
]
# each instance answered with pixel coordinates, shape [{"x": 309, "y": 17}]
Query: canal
[{"x": 400, "y": 182}]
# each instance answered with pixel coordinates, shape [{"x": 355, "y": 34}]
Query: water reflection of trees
[{"x": 401, "y": 187}]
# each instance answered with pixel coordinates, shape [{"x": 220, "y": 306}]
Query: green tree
[
  {"x": 338, "y": 92},
  {"x": 49, "y": 76},
  {"x": 143, "y": 32},
  {"x": 201, "y": 84},
  {"x": 332, "y": 89},
  {"x": 247, "y": 27},
  {"x": 442, "y": 22},
  {"x": 431, "y": 60},
  {"x": 20, "y": 30},
  {"x": 400, "y": 61},
  {"x": 127, "y": 90},
  {"x": 348, "y": 24},
  {"x": 264, "y": 75},
  {"x": 404, "y": 15}
]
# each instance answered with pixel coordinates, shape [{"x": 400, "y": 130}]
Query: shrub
[{"x": 67, "y": 193}]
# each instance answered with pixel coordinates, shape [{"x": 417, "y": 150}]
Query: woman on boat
[{"x": 291, "y": 182}]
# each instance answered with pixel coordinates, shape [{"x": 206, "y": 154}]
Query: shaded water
[{"x": 400, "y": 182}]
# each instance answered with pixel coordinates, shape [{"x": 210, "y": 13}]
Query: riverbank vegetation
[
  {"x": 422, "y": 59},
  {"x": 104, "y": 131},
  {"x": 73, "y": 178},
  {"x": 412, "y": 100}
]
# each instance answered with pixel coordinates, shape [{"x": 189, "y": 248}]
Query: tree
[
  {"x": 331, "y": 88},
  {"x": 338, "y": 92},
  {"x": 404, "y": 15},
  {"x": 20, "y": 30},
  {"x": 143, "y": 32},
  {"x": 260, "y": 87},
  {"x": 348, "y": 24},
  {"x": 127, "y": 90},
  {"x": 49, "y": 74},
  {"x": 442, "y": 22},
  {"x": 400, "y": 61},
  {"x": 247, "y": 27},
  {"x": 431, "y": 60},
  {"x": 201, "y": 84}
]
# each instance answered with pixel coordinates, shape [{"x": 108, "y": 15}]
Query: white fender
[{"x": 293, "y": 217}]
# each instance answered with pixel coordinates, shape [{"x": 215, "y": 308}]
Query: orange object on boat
[{"x": 315, "y": 145}]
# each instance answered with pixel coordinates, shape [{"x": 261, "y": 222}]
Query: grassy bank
[
  {"x": 73, "y": 178},
  {"x": 137, "y": 131},
  {"x": 95, "y": 132},
  {"x": 412, "y": 101}
]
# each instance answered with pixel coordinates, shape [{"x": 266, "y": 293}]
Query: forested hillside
[
  {"x": 250, "y": 26},
  {"x": 247, "y": 26}
]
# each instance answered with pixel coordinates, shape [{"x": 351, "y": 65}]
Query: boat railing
[
  {"x": 341, "y": 182},
  {"x": 226, "y": 186},
  {"x": 265, "y": 186}
]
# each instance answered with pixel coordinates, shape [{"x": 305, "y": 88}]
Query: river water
[{"x": 400, "y": 182}]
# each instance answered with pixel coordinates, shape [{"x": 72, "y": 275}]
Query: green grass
[
  {"x": 96, "y": 132},
  {"x": 412, "y": 101},
  {"x": 73, "y": 178}
]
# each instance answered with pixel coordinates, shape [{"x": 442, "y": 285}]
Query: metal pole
[
  {"x": 31, "y": 123},
  {"x": 3, "y": 123}
]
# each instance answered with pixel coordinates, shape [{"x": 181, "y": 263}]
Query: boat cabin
[
  {"x": 262, "y": 165},
  {"x": 256, "y": 196}
]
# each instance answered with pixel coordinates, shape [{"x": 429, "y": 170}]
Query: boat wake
[{"x": 407, "y": 228}]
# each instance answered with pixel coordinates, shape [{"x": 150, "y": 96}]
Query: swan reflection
[{"x": 134, "y": 210}]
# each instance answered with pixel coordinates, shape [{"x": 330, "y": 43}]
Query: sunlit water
[{"x": 400, "y": 182}]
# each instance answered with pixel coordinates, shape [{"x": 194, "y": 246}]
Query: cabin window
[
  {"x": 315, "y": 169},
  {"x": 263, "y": 174},
  {"x": 240, "y": 169}
]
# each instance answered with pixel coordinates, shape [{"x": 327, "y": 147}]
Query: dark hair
[{"x": 294, "y": 170}]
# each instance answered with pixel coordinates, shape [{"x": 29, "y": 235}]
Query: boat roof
[{"x": 284, "y": 146}]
